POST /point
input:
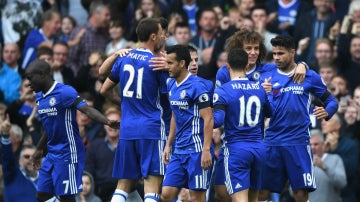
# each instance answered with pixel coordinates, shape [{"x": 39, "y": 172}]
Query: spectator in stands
[
  {"x": 16, "y": 137},
  {"x": 45, "y": 36},
  {"x": 327, "y": 71},
  {"x": 329, "y": 171},
  {"x": 94, "y": 39},
  {"x": 221, "y": 59},
  {"x": 88, "y": 79},
  {"x": 68, "y": 23},
  {"x": 189, "y": 9},
  {"x": 284, "y": 14},
  {"x": 61, "y": 72},
  {"x": 313, "y": 25},
  {"x": 351, "y": 127},
  {"x": 206, "y": 38},
  {"x": 182, "y": 33},
  {"x": 11, "y": 56},
  {"x": 100, "y": 157},
  {"x": 88, "y": 193},
  {"x": 174, "y": 19},
  {"x": 324, "y": 53},
  {"x": 20, "y": 177},
  {"x": 260, "y": 17},
  {"x": 10, "y": 82},
  {"x": 21, "y": 109},
  {"x": 350, "y": 65},
  {"x": 347, "y": 149},
  {"x": 340, "y": 87},
  {"x": 145, "y": 9},
  {"x": 116, "y": 31},
  {"x": 245, "y": 7}
]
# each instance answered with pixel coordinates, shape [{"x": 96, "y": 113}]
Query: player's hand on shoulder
[
  {"x": 158, "y": 64},
  {"x": 206, "y": 159},
  {"x": 298, "y": 75},
  {"x": 320, "y": 112},
  {"x": 123, "y": 52}
]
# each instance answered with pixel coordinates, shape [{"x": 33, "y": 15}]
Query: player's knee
[
  {"x": 43, "y": 196},
  {"x": 221, "y": 196},
  {"x": 165, "y": 197}
]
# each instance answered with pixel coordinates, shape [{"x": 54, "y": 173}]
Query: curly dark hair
[{"x": 244, "y": 35}]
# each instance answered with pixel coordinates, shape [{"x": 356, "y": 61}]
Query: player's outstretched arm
[
  {"x": 170, "y": 140},
  {"x": 106, "y": 66},
  {"x": 207, "y": 116},
  {"x": 99, "y": 117},
  {"x": 107, "y": 90}
]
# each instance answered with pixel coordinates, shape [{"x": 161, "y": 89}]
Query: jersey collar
[
  {"x": 178, "y": 84},
  {"x": 51, "y": 89}
]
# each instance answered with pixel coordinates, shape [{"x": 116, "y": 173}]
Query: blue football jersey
[
  {"x": 186, "y": 100},
  {"x": 57, "y": 110},
  {"x": 223, "y": 74},
  {"x": 140, "y": 89},
  {"x": 241, "y": 105},
  {"x": 290, "y": 103}
]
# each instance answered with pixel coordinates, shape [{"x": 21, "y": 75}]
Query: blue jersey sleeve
[
  {"x": 201, "y": 95},
  {"x": 163, "y": 77},
  {"x": 70, "y": 98},
  {"x": 219, "y": 102},
  {"x": 222, "y": 76},
  {"x": 319, "y": 89},
  {"x": 115, "y": 71}
]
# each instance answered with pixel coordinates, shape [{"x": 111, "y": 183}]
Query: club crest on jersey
[
  {"x": 52, "y": 101},
  {"x": 256, "y": 76},
  {"x": 182, "y": 94}
]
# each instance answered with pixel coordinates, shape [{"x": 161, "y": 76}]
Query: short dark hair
[
  {"x": 237, "y": 59},
  {"x": 44, "y": 50},
  {"x": 164, "y": 23},
  {"x": 181, "y": 52},
  {"x": 146, "y": 27},
  {"x": 39, "y": 67},
  {"x": 191, "y": 48},
  {"x": 48, "y": 15},
  {"x": 283, "y": 40},
  {"x": 258, "y": 7},
  {"x": 63, "y": 43},
  {"x": 116, "y": 23},
  {"x": 181, "y": 25}
]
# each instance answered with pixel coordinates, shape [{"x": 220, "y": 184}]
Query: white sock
[
  {"x": 134, "y": 197},
  {"x": 151, "y": 197},
  {"x": 119, "y": 196}
]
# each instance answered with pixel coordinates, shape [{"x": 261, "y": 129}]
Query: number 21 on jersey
[{"x": 139, "y": 80}]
